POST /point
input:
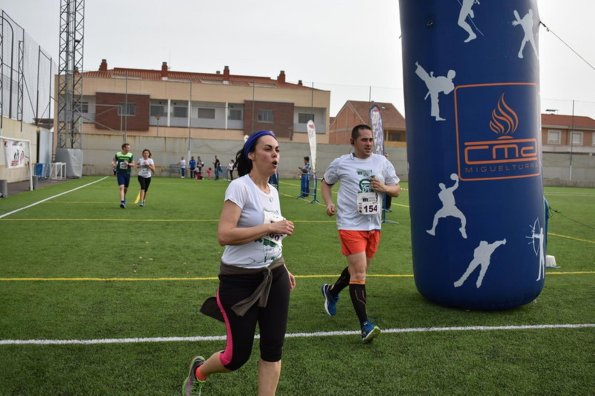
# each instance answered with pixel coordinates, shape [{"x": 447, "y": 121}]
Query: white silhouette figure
[
  {"x": 466, "y": 11},
  {"x": 526, "y": 23},
  {"x": 449, "y": 207},
  {"x": 540, "y": 237},
  {"x": 436, "y": 85},
  {"x": 481, "y": 257}
]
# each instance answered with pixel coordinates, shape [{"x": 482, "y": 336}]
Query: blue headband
[{"x": 251, "y": 142}]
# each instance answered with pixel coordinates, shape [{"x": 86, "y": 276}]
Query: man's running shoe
[
  {"x": 330, "y": 301},
  {"x": 123, "y": 204},
  {"x": 369, "y": 332},
  {"x": 192, "y": 385}
]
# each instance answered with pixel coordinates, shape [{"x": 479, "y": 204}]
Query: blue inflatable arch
[{"x": 471, "y": 80}]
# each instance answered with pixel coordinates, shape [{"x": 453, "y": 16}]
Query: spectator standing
[
  {"x": 274, "y": 180},
  {"x": 217, "y": 168},
  {"x": 199, "y": 165},
  {"x": 230, "y": 167},
  {"x": 305, "y": 178},
  {"x": 182, "y": 167},
  {"x": 192, "y": 165},
  {"x": 388, "y": 200}
]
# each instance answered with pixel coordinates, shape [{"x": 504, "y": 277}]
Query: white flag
[
  {"x": 378, "y": 129},
  {"x": 312, "y": 140}
]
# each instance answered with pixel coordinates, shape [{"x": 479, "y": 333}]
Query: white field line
[
  {"x": 294, "y": 335},
  {"x": 52, "y": 197}
]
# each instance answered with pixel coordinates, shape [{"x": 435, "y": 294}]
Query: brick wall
[
  {"x": 340, "y": 131},
  {"x": 107, "y": 117},
  {"x": 282, "y": 123}
]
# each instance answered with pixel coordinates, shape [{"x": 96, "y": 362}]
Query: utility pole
[
  {"x": 571, "y": 139},
  {"x": 189, "y": 153},
  {"x": 70, "y": 89}
]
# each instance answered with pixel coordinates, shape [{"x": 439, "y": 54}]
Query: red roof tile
[
  {"x": 567, "y": 121},
  {"x": 391, "y": 117},
  {"x": 155, "y": 75}
]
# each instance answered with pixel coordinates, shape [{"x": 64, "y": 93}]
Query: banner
[
  {"x": 14, "y": 153},
  {"x": 376, "y": 121},
  {"x": 312, "y": 140}
]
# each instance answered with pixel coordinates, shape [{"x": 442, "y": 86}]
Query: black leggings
[
  {"x": 144, "y": 183},
  {"x": 272, "y": 319}
]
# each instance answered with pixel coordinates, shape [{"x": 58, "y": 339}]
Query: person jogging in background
[
  {"x": 254, "y": 283},
  {"x": 364, "y": 177},
  {"x": 123, "y": 162},
  {"x": 146, "y": 168}
]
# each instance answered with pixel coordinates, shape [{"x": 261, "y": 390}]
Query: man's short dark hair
[{"x": 356, "y": 129}]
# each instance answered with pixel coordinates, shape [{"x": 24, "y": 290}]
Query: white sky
[{"x": 350, "y": 47}]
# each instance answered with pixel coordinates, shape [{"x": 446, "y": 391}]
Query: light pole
[
  {"x": 571, "y": 139},
  {"x": 253, "y": 115},
  {"x": 189, "y": 121}
]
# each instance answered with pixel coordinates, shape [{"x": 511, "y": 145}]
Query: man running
[
  {"x": 364, "y": 177},
  {"x": 123, "y": 162}
]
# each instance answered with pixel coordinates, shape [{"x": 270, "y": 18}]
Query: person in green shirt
[{"x": 123, "y": 162}]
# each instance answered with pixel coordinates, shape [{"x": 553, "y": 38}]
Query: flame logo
[{"x": 504, "y": 120}]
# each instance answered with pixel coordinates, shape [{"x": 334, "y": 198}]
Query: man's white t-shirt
[
  {"x": 257, "y": 207},
  {"x": 355, "y": 177}
]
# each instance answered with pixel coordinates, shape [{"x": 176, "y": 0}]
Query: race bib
[
  {"x": 144, "y": 171},
  {"x": 369, "y": 203},
  {"x": 270, "y": 217},
  {"x": 123, "y": 165}
]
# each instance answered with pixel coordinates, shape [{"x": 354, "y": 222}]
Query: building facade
[
  {"x": 357, "y": 112},
  {"x": 221, "y": 105},
  {"x": 567, "y": 134}
]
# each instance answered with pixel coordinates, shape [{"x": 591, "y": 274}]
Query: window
[
  {"x": 126, "y": 109},
  {"x": 264, "y": 116},
  {"x": 234, "y": 115},
  {"x": 396, "y": 136},
  {"x": 84, "y": 107},
  {"x": 157, "y": 110},
  {"x": 593, "y": 138},
  {"x": 180, "y": 112},
  {"x": 206, "y": 113},
  {"x": 553, "y": 136},
  {"x": 303, "y": 118},
  {"x": 576, "y": 138}
]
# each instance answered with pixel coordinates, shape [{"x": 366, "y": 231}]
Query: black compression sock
[
  {"x": 358, "y": 299},
  {"x": 341, "y": 283}
]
